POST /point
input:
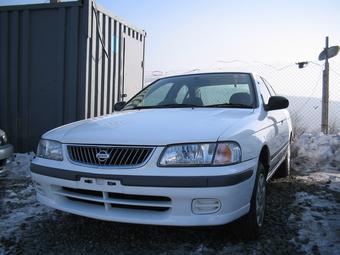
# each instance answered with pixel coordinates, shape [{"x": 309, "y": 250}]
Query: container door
[{"x": 133, "y": 67}]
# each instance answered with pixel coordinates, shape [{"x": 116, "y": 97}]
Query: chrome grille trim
[{"x": 118, "y": 156}]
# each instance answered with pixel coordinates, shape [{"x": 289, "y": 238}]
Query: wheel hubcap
[{"x": 260, "y": 199}]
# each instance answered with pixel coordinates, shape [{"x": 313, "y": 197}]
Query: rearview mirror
[
  {"x": 277, "y": 103},
  {"x": 119, "y": 106}
]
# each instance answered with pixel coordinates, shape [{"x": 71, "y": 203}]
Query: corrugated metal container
[{"x": 61, "y": 63}]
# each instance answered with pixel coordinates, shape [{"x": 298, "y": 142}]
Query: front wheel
[{"x": 252, "y": 223}]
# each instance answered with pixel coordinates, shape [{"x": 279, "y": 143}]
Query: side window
[{"x": 264, "y": 91}]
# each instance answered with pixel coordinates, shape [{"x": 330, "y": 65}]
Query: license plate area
[{"x": 101, "y": 184}]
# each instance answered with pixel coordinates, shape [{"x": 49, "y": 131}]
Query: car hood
[{"x": 151, "y": 127}]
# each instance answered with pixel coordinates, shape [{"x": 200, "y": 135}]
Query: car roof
[{"x": 203, "y": 73}]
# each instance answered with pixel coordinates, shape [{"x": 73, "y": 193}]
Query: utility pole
[{"x": 325, "y": 93}]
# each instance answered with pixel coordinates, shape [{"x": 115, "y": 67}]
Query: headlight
[
  {"x": 50, "y": 150},
  {"x": 204, "y": 154},
  {"x": 3, "y": 139},
  {"x": 227, "y": 153}
]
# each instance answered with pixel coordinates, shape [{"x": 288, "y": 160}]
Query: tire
[
  {"x": 284, "y": 169},
  {"x": 252, "y": 223}
]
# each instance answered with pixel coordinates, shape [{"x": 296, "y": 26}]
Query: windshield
[{"x": 199, "y": 90}]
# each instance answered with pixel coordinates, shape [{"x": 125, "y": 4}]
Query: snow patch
[
  {"x": 20, "y": 166},
  {"x": 329, "y": 178},
  {"x": 19, "y": 200},
  {"x": 317, "y": 158},
  {"x": 318, "y": 225},
  {"x": 316, "y": 151}
]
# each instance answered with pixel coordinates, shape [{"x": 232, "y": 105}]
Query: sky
[
  {"x": 193, "y": 33},
  {"x": 184, "y": 35},
  {"x": 189, "y": 34}
]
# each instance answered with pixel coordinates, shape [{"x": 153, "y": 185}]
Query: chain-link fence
[{"x": 302, "y": 86}]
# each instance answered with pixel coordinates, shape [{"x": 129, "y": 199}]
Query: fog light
[{"x": 205, "y": 205}]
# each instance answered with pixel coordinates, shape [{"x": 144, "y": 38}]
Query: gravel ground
[{"x": 292, "y": 217}]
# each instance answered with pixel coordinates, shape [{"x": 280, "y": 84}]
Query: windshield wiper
[
  {"x": 229, "y": 105},
  {"x": 166, "y": 106},
  {"x": 178, "y": 105},
  {"x": 226, "y": 105}
]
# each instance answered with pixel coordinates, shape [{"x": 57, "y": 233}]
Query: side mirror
[
  {"x": 118, "y": 106},
  {"x": 277, "y": 103}
]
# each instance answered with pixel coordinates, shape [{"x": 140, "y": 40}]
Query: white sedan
[{"x": 188, "y": 150}]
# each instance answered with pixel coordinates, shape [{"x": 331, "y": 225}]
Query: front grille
[
  {"x": 109, "y": 155},
  {"x": 87, "y": 201},
  {"x": 117, "y": 200}
]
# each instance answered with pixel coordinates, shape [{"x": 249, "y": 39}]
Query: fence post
[{"x": 325, "y": 93}]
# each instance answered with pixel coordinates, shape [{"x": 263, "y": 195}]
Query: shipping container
[{"x": 63, "y": 62}]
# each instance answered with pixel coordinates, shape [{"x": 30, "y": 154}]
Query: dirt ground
[{"x": 302, "y": 218}]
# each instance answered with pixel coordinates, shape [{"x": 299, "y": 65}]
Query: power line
[
  {"x": 232, "y": 61},
  {"x": 320, "y": 65},
  {"x": 193, "y": 70},
  {"x": 256, "y": 62},
  {"x": 274, "y": 67}
]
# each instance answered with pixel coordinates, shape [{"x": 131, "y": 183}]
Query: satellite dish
[{"x": 332, "y": 52}]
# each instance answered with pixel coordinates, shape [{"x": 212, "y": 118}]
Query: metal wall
[{"x": 60, "y": 63}]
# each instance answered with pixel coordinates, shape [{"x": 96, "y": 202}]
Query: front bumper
[{"x": 146, "y": 199}]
